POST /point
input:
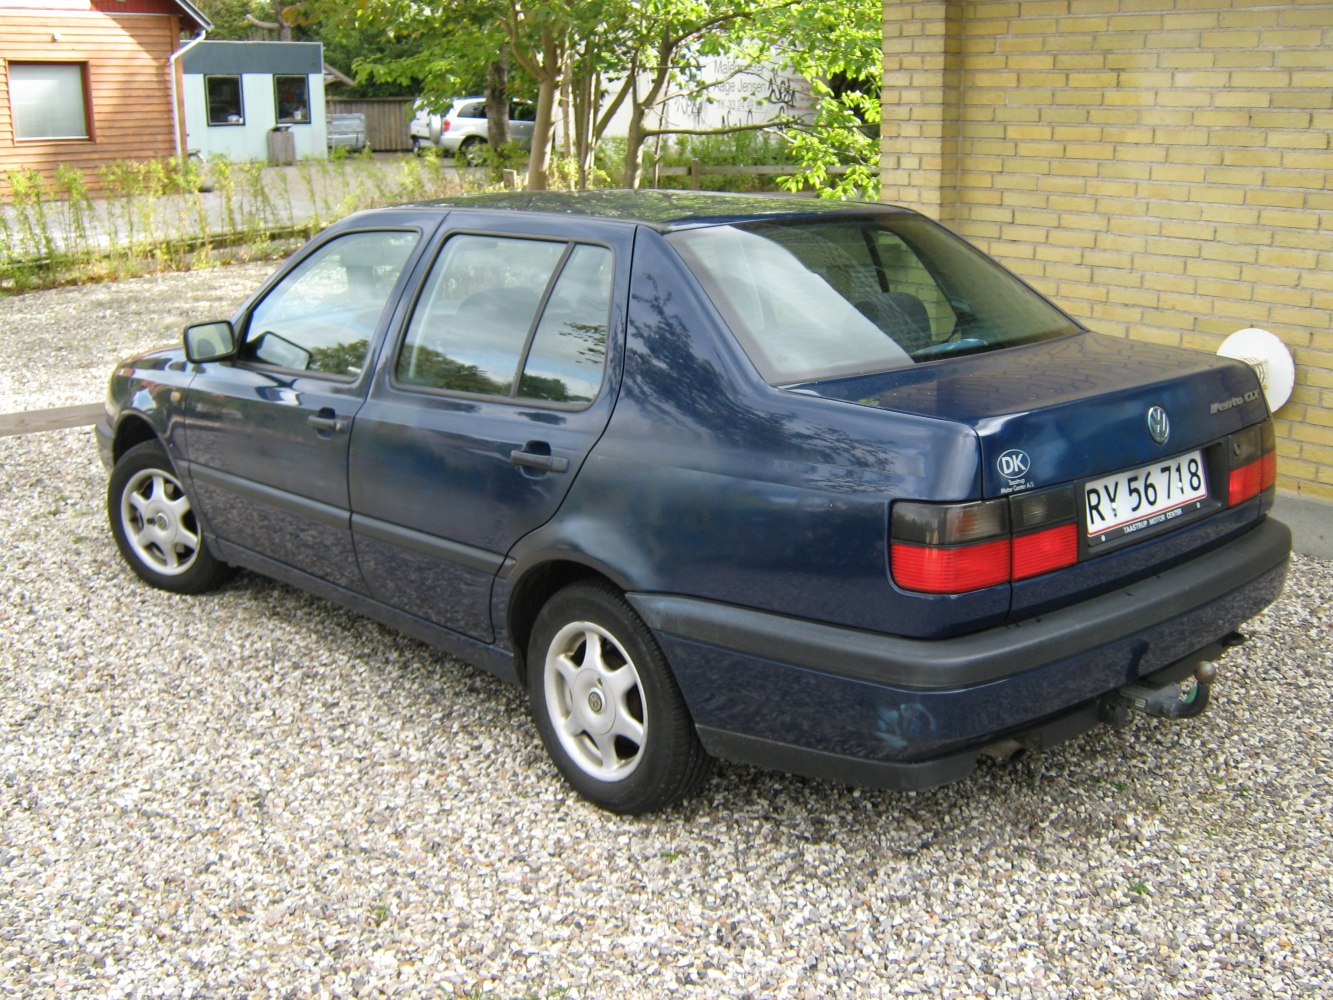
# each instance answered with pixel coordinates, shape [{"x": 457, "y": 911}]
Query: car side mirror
[{"x": 210, "y": 341}]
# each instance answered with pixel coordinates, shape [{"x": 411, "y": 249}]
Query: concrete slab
[
  {"x": 54, "y": 419},
  {"x": 1311, "y": 523}
]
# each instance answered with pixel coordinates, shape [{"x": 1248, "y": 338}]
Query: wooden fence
[
  {"x": 696, "y": 170},
  {"x": 386, "y": 120}
]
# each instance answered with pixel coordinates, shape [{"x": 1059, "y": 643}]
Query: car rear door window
[
  {"x": 322, "y": 316},
  {"x": 509, "y": 317},
  {"x": 568, "y": 351}
]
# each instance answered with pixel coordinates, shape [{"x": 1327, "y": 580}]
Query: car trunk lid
[
  {"x": 1079, "y": 420},
  {"x": 1070, "y": 409}
]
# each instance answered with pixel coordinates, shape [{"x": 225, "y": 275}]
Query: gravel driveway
[{"x": 258, "y": 794}]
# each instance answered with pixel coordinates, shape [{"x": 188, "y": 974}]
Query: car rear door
[
  {"x": 522, "y": 120},
  {"x": 486, "y": 406},
  {"x": 267, "y": 431}
]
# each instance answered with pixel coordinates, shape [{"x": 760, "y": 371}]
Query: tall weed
[{"x": 173, "y": 214}]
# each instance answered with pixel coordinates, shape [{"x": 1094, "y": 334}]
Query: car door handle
[
  {"x": 537, "y": 460},
  {"x": 327, "y": 420}
]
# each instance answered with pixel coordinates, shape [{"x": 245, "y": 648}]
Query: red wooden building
[{"x": 90, "y": 82}]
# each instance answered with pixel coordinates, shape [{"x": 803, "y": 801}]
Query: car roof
[{"x": 663, "y": 210}]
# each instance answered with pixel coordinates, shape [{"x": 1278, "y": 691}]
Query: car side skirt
[{"x": 493, "y": 659}]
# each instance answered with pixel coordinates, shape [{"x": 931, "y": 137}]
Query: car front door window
[{"x": 322, "y": 316}]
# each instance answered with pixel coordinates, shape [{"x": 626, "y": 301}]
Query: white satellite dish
[{"x": 1269, "y": 358}]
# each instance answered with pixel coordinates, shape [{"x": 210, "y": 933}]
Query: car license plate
[{"x": 1144, "y": 499}]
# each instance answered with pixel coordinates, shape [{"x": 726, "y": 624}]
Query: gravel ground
[
  {"x": 255, "y": 793},
  {"x": 68, "y": 339}
]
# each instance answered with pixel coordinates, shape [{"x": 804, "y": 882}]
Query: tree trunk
[
  {"x": 566, "y": 131},
  {"x": 640, "y": 106},
  {"x": 497, "y": 104},
  {"x": 539, "y": 165},
  {"x": 584, "y": 88},
  {"x": 634, "y": 140},
  {"x": 550, "y": 81}
]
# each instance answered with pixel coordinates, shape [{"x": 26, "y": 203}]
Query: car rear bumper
[{"x": 878, "y": 709}]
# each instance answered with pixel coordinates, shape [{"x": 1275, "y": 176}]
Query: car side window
[
  {"x": 477, "y": 327},
  {"x": 321, "y": 317},
  {"x": 569, "y": 349}
]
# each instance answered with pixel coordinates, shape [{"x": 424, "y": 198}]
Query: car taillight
[
  {"x": 1045, "y": 537},
  {"x": 444, "y": 125},
  {"x": 954, "y": 548},
  {"x": 1253, "y": 457}
]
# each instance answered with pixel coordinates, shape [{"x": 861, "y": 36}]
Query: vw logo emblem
[
  {"x": 1159, "y": 425},
  {"x": 1014, "y": 464}
]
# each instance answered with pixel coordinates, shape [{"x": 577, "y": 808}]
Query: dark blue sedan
[{"x": 816, "y": 486}]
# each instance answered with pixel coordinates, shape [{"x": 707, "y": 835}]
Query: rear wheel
[
  {"x": 472, "y": 152},
  {"x": 155, "y": 526},
  {"x": 606, "y": 705}
]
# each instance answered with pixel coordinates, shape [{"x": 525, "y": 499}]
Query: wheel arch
[
  {"x": 132, "y": 431},
  {"x": 532, "y": 590}
]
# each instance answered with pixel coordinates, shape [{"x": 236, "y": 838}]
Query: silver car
[{"x": 462, "y": 130}]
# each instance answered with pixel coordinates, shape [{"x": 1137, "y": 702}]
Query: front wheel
[
  {"x": 155, "y": 526},
  {"x": 606, "y": 705}
]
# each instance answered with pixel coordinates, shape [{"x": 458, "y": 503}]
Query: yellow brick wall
[{"x": 1162, "y": 168}]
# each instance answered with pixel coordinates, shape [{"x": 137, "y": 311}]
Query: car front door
[
  {"x": 479, "y": 419},
  {"x": 267, "y": 431}
]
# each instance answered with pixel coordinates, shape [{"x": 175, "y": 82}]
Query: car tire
[
  {"x": 155, "y": 526},
  {"x": 607, "y": 706},
  {"x": 472, "y": 152},
  {"x": 418, "y": 146}
]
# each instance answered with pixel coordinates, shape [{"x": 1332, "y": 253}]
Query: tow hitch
[
  {"x": 1170, "y": 701},
  {"x": 1162, "y": 701},
  {"x": 1167, "y": 700}
]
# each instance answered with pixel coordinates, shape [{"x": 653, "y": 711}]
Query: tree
[
  {"x": 229, "y": 17},
  {"x": 567, "y": 51},
  {"x": 281, "y": 18},
  {"x": 844, "y": 69},
  {"x": 396, "y": 45},
  {"x": 667, "y": 35}
]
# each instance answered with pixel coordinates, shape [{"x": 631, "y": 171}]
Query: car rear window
[{"x": 820, "y": 299}]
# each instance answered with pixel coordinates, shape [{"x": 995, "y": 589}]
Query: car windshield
[{"x": 820, "y": 299}]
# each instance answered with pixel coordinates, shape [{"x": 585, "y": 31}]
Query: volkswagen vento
[{"x": 816, "y": 486}]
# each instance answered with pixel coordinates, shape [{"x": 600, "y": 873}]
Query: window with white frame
[
  {"x": 49, "y": 100},
  {"x": 224, "y": 100}
]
